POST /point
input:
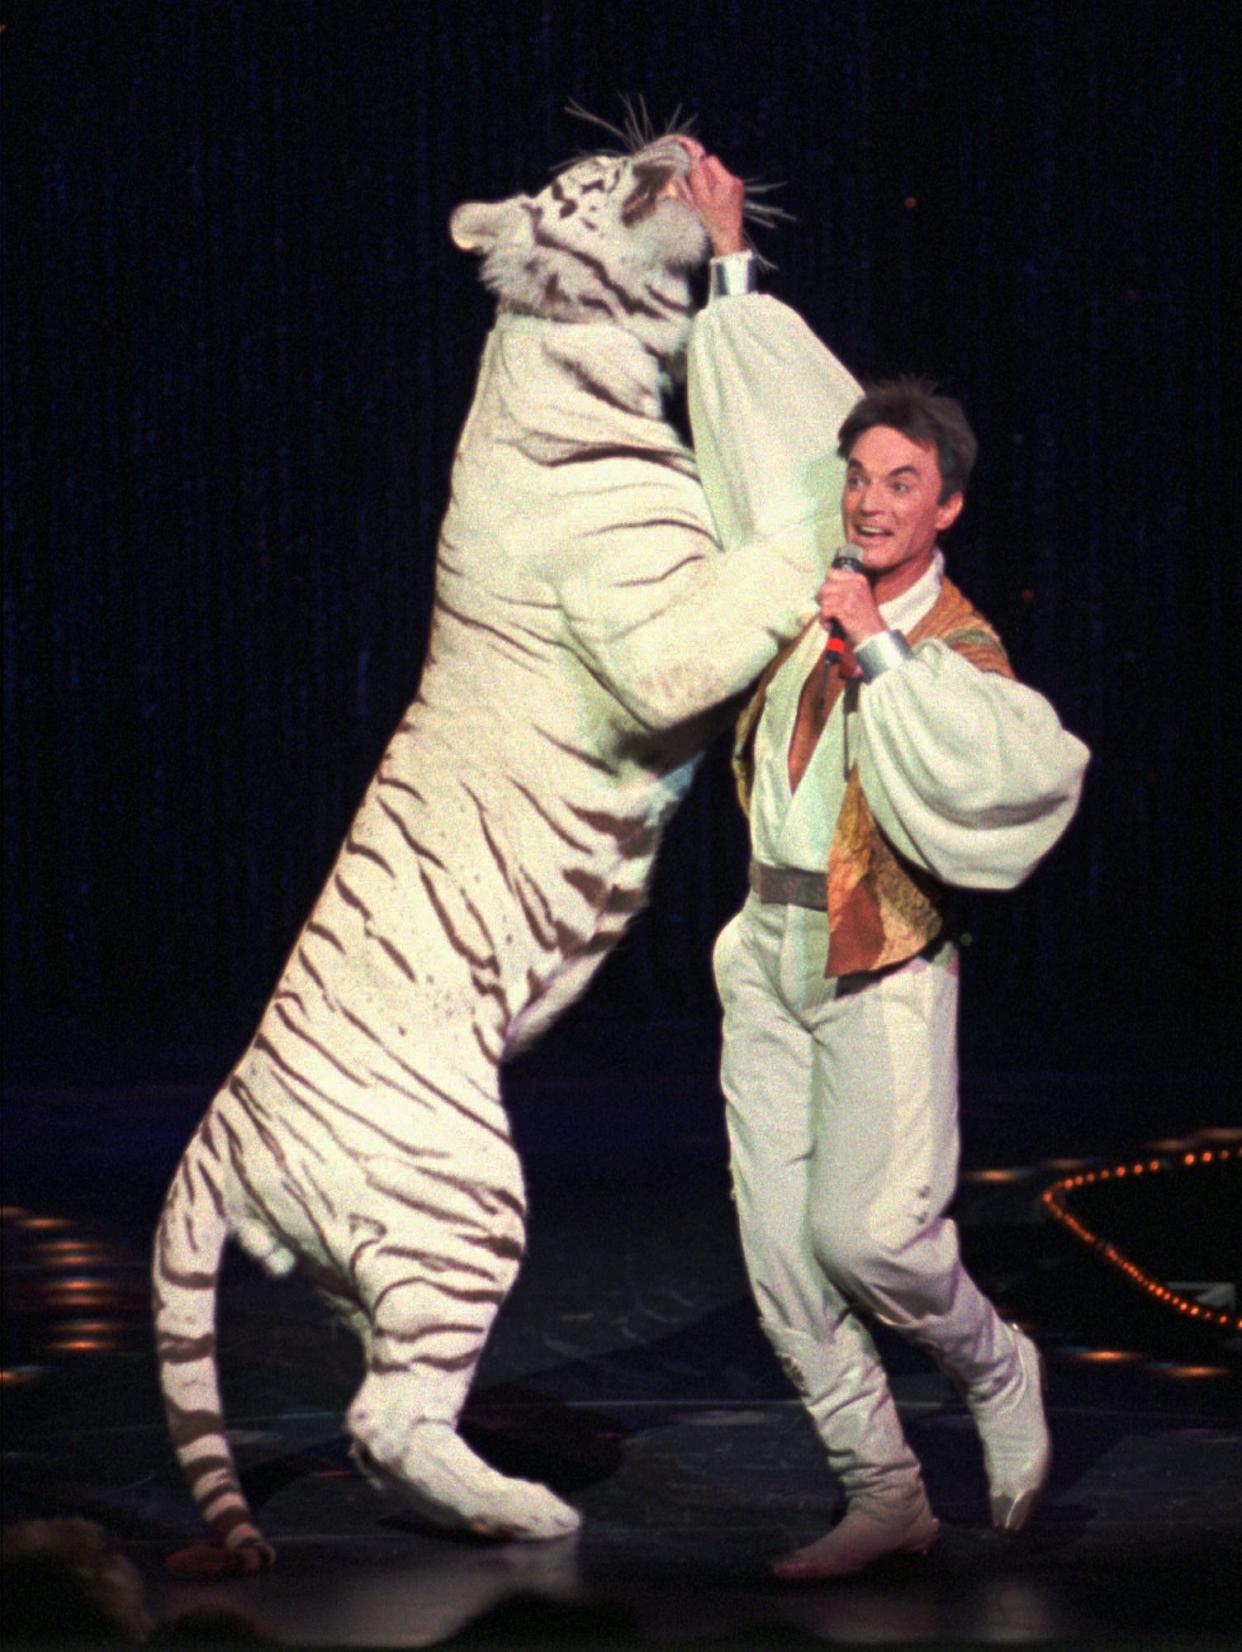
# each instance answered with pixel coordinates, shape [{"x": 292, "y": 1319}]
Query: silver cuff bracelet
[
  {"x": 735, "y": 272},
  {"x": 881, "y": 653}
]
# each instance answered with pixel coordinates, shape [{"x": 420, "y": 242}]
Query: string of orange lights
[{"x": 1055, "y": 1198}]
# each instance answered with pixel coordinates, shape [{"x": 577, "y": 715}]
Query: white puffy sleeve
[
  {"x": 969, "y": 775},
  {"x": 766, "y": 400}
]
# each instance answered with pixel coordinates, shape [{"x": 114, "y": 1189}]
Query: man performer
[{"x": 913, "y": 764}]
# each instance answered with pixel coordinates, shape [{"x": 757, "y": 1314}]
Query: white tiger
[{"x": 587, "y": 629}]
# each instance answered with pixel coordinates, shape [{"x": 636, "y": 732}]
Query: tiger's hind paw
[
  {"x": 445, "y": 1482},
  {"x": 213, "y": 1561}
]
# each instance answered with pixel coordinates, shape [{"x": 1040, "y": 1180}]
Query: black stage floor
[{"x": 627, "y": 1371}]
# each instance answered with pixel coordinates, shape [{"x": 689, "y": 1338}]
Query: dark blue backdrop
[{"x": 239, "y": 347}]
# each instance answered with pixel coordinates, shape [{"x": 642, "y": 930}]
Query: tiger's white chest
[{"x": 502, "y": 683}]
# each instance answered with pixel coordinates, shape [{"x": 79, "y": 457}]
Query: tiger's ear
[{"x": 476, "y": 226}]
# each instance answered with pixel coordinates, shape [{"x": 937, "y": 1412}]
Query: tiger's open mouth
[
  {"x": 676, "y": 189},
  {"x": 656, "y": 182}
]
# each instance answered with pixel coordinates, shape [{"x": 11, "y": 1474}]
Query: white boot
[
  {"x": 1017, "y": 1449},
  {"x": 843, "y": 1386},
  {"x": 867, "y": 1532}
]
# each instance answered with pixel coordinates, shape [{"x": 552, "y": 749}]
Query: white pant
[{"x": 842, "y": 1115}]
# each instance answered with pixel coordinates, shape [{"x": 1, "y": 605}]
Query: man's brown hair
[{"x": 912, "y": 406}]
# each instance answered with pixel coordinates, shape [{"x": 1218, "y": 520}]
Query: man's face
[{"x": 890, "y": 508}]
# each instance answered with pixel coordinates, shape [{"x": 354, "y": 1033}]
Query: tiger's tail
[{"x": 189, "y": 1244}]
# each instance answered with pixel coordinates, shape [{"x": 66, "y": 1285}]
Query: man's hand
[
  {"x": 718, "y": 198},
  {"x": 849, "y": 599}
]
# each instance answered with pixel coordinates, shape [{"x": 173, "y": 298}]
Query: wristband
[
  {"x": 882, "y": 653},
  {"x": 734, "y": 272}
]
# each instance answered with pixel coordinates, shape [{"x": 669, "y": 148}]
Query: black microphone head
[{"x": 849, "y": 557}]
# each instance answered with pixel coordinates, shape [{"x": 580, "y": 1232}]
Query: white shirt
[
  {"x": 969, "y": 775},
  {"x": 796, "y": 828}
]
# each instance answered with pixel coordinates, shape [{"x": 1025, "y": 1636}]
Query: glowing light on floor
[
  {"x": 998, "y": 1176},
  {"x": 68, "y": 1252},
  {"x": 1190, "y": 1373},
  {"x": 1099, "y": 1356},
  {"x": 80, "y": 1345},
  {"x": 84, "y": 1293}
]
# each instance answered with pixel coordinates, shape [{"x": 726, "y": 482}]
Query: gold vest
[{"x": 881, "y": 909}]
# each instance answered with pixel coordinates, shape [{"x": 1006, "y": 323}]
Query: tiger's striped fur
[{"x": 587, "y": 629}]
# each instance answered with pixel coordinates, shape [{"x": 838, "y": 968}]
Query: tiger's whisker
[
  {"x": 574, "y": 108},
  {"x": 760, "y": 212}
]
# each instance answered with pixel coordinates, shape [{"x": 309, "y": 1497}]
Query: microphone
[{"x": 848, "y": 557}]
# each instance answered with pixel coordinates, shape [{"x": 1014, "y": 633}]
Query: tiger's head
[{"x": 612, "y": 238}]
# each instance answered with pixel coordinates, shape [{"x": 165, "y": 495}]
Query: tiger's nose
[{"x": 693, "y": 148}]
